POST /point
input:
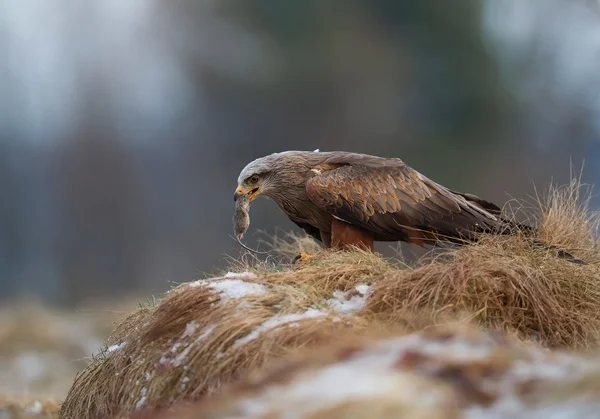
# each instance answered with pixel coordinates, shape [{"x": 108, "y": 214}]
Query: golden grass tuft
[
  {"x": 508, "y": 283},
  {"x": 566, "y": 221},
  {"x": 188, "y": 345}
]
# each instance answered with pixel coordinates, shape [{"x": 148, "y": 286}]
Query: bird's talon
[{"x": 301, "y": 257}]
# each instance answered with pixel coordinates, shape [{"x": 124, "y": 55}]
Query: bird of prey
[
  {"x": 343, "y": 198},
  {"x": 348, "y": 199}
]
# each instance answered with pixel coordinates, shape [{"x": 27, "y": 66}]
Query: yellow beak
[{"x": 241, "y": 191}]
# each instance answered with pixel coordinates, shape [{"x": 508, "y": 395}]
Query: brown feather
[{"x": 393, "y": 202}]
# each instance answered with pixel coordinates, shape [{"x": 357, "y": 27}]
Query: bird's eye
[{"x": 254, "y": 179}]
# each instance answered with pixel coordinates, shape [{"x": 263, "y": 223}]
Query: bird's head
[{"x": 273, "y": 175}]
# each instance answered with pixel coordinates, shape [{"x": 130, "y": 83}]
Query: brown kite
[{"x": 343, "y": 199}]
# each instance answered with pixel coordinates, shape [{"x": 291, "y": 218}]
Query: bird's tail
[
  {"x": 513, "y": 227},
  {"x": 530, "y": 232}
]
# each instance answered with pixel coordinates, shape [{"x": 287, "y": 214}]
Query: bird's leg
[
  {"x": 344, "y": 235},
  {"x": 302, "y": 257},
  {"x": 325, "y": 239}
]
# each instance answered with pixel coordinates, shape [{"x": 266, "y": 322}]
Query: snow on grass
[
  {"x": 233, "y": 287},
  {"x": 190, "y": 329},
  {"x": 113, "y": 348},
  {"x": 329, "y": 387},
  {"x": 364, "y": 376},
  {"x": 181, "y": 358},
  {"x": 273, "y": 322},
  {"x": 236, "y": 288},
  {"x": 376, "y": 372},
  {"x": 240, "y": 275},
  {"x": 142, "y": 400},
  {"x": 205, "y": 334},
  {"x": 345, "y": 303}
]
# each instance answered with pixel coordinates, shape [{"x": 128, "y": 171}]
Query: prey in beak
[
  {"x": 250, "y": 193},
  {"x": 241, "y": 218}
]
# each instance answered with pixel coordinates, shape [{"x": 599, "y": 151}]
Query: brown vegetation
[
  {"x": 208, "y": 333},
  {"x": 200, "y": 336},
  {"x": 445, "y": 373}
]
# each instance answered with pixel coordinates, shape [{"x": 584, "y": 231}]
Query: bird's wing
[
  {"x": 386, "y": 197},
  {"x": 486, "y": 205}
]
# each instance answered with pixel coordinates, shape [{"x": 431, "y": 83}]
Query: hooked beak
[{"x": 241, "y": 191}]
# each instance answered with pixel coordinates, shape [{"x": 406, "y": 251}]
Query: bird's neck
[{"x": 290, "y": 197}]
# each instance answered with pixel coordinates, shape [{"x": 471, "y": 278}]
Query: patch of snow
[
  {"x": 338, "y": 383},
  {"x": 456, "y": 349},
  {"x": 236, "y": 288},
  {"x": 181, "y": 358},
  {"x": 205, "y": 334},
  {"x": 240, "y": 275},
  {"x": 113, "y": 348},
  {"x": 232, "y": 289},
  {"x": 316, "y": 150},
  {"x": 35, "y": 408},
  {"x": 140, "y": 403},
  {"x": 185, "y": 379},
  {"x": 274, "y": 322},
  {"x": 190, "y": 329},
  {"x": 374, "y": 372},
  {"x": 364, "y": 289},
  {"x": 344, "y": 305},
  {"x": 149, "y": 375}
]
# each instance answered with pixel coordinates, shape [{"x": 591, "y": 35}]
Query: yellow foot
[{"x": 302, "y": 257}]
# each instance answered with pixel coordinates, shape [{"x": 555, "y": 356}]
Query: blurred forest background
[{"x": 124, "y": 123}]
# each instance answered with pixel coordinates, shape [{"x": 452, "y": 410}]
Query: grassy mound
[
  {"x": 201, "y": 335},
  {"x": 208, "y": 333},
  {"x": 443, "y": 373},
  {"x": 509, "y": 283}
]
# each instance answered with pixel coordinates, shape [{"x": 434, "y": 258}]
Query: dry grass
[
  {"x": 507, "y": 285},
  {"x": 565, "y": 220},
  {"x": 188, "y": 345},
  {"x": 510, "y": 284},
  {"x": 445, "y": 372}
]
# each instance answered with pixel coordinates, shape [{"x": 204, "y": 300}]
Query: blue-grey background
[{"x": 124, "y": 123}]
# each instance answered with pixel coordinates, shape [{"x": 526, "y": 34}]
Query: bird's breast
[{"x": 306, "y": 212}]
